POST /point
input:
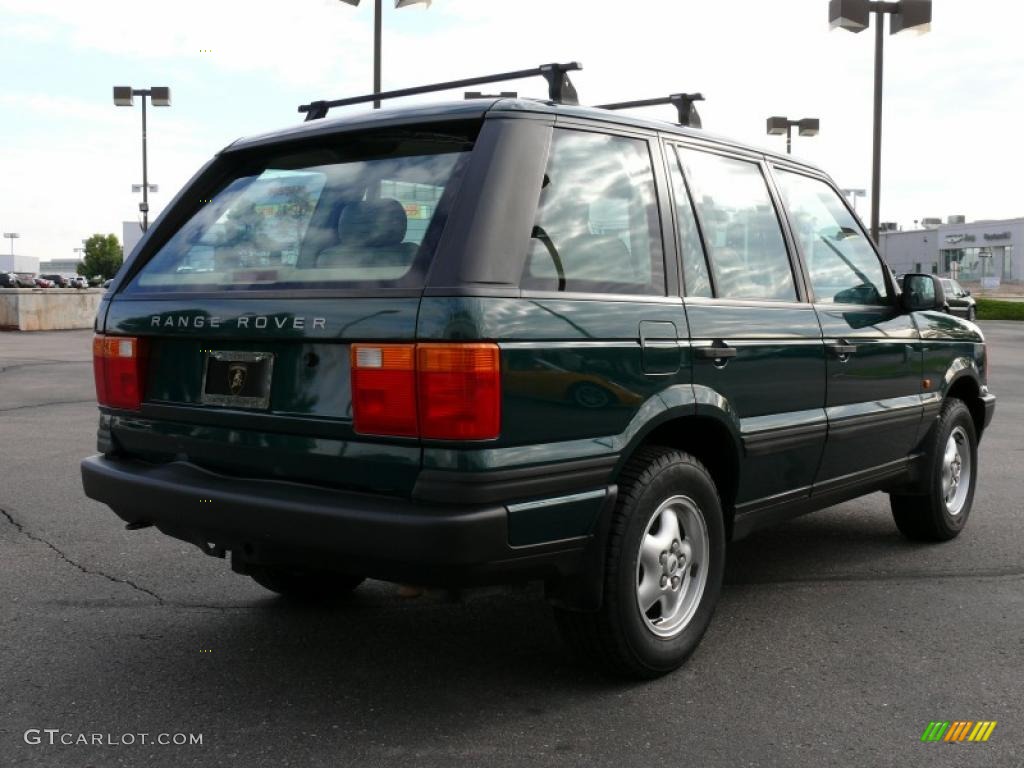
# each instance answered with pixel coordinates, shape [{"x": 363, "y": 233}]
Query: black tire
[
  {"x": 927, "y": 516},
  {"x": 618, "y": 638},
  {"x": 304, "y": 585}
]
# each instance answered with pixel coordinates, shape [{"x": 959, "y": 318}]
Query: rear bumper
[{"x": 280, "y": 522}]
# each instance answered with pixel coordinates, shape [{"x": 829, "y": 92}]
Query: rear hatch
[{"x": 246, "y": 308}]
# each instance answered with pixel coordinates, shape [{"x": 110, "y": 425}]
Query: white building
[
  {"x": 131, "y": 233},
  {"x": 60, "y": 266},
  {"x": 986, "y": 252},
  {"x": 19, "y": 263}
]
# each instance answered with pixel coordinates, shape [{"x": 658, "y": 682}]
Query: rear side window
[
  {"x": 597, "y": 228},
  {"x": 841, "y": 262},
  {"x": 741, "y": 228},
  {"x": 356, "y": 214}
]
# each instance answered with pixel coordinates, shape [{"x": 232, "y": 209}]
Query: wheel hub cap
[
  {"x": 956, "y": 471},
  {"x": 672, "y": 566}
]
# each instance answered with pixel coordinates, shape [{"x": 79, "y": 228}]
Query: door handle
[
  {"x": 842, "y": 350},
  {"x": 715, "y": 352}
]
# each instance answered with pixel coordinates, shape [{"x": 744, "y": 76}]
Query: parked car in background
[
  {"x": 959, "y": 299},
  {"x": 25, "y": 279},
  {"x": 8, "y": 280},
  {"x": 79, "y": 282},
  {"x": 42, "y": 282},
  {"x": 59, "y": 281}
]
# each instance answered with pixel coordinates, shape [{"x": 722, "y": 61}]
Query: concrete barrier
[{"x": 48, "y": 309}]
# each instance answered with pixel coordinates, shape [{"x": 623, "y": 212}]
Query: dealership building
[
  {"x": 18, "y": 263},
  {"x": 987, "y": 252}
]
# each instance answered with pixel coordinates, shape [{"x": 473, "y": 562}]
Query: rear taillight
[
  {"x": 118, "y": 367},
  {"x": 384, "y": 389},
  {"x": 434, "y": 391},
  {"x": 459, "y": 391}
]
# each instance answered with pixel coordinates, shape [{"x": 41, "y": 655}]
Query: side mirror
[
  {"x": 966, "y": 292},
  {"x": 922, "y": 292}
]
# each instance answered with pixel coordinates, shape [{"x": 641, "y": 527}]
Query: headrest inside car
[{"x": 372, "y": 223}]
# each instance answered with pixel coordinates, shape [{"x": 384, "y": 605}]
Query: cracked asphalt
[{"x": 835, "y": 642}]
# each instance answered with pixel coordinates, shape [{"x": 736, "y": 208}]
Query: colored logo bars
[{"x": 958, "y": 730}]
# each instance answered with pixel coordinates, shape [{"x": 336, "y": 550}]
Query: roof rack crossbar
[
  {"x": 560, "y": 88},
  {"x": 684, "y": 102}
]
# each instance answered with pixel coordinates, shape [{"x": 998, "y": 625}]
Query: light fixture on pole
[
  {"x": 377, "y": 25},
  {"x": 12, "y": 236},
  {"x": 783, "y": 126},
  {"x": 855, "y": 16},
  {"x": 124, "y": 96},
  {"x": 852, "y": 195}
]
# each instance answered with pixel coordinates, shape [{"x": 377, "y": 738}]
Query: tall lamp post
[
  {"x": 852, "y": 195},
  {"x": 855, "y": 16},
  {"x": 12, "y": 236},
  {"x": 377, "y": 25},
  {"x": 124, "y": 96},
  {"x": 778, "y": 126}
]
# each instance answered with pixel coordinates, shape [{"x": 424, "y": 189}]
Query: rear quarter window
[
  {"x": 597, "y": 228},
  {"x": 360, "y": 213}
]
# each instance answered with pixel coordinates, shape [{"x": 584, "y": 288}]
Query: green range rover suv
[{"x": 508, "y": 340}]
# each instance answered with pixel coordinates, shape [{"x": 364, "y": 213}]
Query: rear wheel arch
[{"x": 707, "y": 439}]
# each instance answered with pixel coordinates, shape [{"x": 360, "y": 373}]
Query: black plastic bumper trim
[
  {"x": 438, "y": 485},
  {"x": 387, "y": 537}
]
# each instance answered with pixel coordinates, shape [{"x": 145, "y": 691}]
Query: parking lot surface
[{"x": 836, "y": 642}]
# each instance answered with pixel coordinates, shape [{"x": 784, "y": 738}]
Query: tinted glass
[
  {"x": 354, "y": 214},
  {"x": 695, "y": 267},
  {"x": 842, "y": 264},
  {"x": 597, "y": 227},
  {"x": 741, "y": 228}
]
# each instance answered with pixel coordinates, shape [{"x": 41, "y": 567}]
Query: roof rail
[
  {"x": 684, "y": 102},
  {"x": 560, "y": 88}
]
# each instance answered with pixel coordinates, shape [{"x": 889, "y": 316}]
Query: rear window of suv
[{"x": 362, "y": 211}]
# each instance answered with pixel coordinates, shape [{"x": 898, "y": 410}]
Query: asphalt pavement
[{"x": 835, "y": 643}]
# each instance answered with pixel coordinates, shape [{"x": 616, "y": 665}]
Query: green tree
[{"x": 103, "y": 257}]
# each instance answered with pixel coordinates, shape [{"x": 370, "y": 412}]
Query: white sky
[{"x": 68, "y": 157}]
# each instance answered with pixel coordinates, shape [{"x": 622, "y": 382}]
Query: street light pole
[
  {"x": 378, "y": 24},
  {"x": 808, "y": 126},
  {"x": 855, "y": 16},
  {"x": 377, "y": 41},
  {"x": 124, "y": 97},
  {"x": 876, "y": 141},
  {"x": 12, "y": 236},
  {"x": 145, "y": 172}
]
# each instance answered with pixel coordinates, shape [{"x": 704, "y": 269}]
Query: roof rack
[
  {"x": 468, "y": 95},
  {"x": 684, "y": 102},
  {"x": 560, "y": 88}
]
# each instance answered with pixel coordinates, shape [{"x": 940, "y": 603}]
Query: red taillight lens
[
  {"x": 436, "y": 391},
  {"x": 384, "y": 389},
  {"x": 459, "y": 391},
  {"x": 118, "y": 368}
]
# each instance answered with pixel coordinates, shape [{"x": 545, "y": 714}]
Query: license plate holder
[{"x": 237, "y": 379}]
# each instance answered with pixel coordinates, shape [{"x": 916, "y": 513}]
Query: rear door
[
  {"x": 874, "y": 356},
  {"x": 756, "y": 341},
  {"x": 248, "y": 308}
]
